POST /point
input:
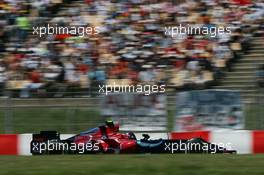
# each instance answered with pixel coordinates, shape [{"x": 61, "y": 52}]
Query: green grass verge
[
  {"x": 74, "y": 120},
  {"x": 65, "y": 120},
  {"x": 134, "y": 164}
]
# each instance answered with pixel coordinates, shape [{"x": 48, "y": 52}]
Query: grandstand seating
[{"x": 131, "y": 48}]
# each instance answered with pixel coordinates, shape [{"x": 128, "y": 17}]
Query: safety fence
[{"x": 75, "y": 115}]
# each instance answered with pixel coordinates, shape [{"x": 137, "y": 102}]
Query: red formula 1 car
[{"x": 108, "y": 139}]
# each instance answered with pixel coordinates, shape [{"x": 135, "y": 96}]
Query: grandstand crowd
[{"x": 131, "y": 47}]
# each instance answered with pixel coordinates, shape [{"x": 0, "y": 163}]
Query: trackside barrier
[{"x": 244, "y": 141}]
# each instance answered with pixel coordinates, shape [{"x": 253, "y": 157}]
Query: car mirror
[{"x": 145, "y": 136}]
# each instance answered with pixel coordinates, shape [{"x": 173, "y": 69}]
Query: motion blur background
[{"x": 51, "y": 83}]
